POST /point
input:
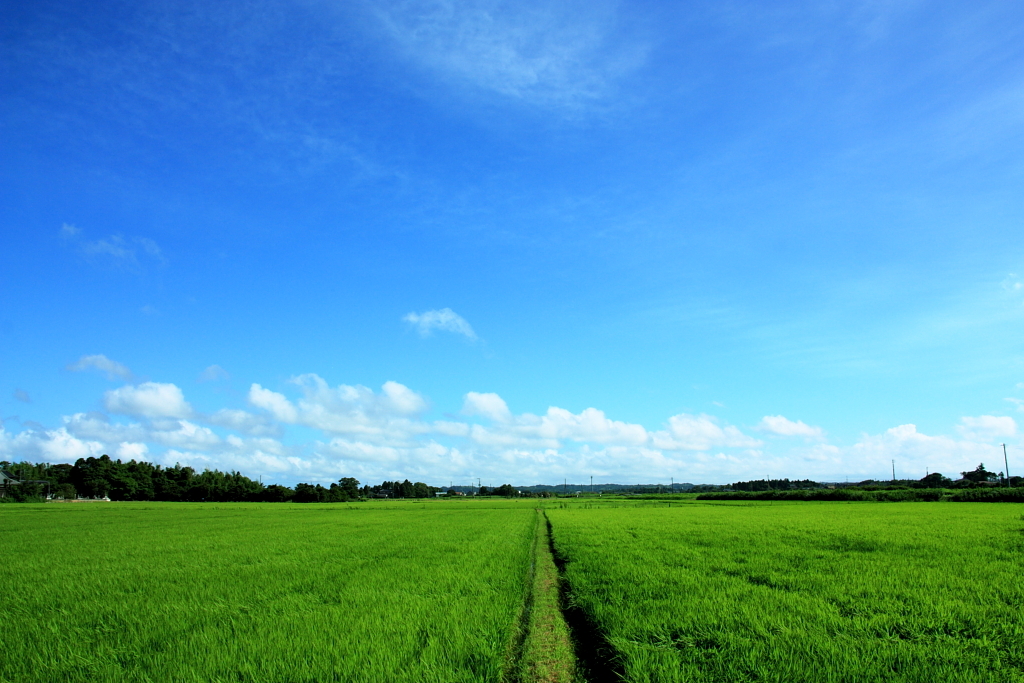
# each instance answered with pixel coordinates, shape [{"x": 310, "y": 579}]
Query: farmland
[
  {"x": 802, "y": 591},
  {"x": 466, "y": 590},
  {"x": 183, "y": 592}
]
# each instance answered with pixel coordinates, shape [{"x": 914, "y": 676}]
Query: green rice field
[
  {"x": 244, "y": 592},
  {"x": 469, "y": 590},
  {"x": 802, "y": 591}
]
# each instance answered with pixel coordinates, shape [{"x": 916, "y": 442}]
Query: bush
[{"x": 896, "y": 495}]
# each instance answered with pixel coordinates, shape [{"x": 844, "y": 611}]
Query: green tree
[
  {"x": 65, "y": 491},
  {"x": 935, "y": 480},
  {"x": 979, "y": 475},
  {"x": 350, "y": 486}
]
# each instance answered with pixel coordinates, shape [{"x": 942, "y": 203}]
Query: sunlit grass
[
  {"x": 192, "y": 592},
  {"x": 804, "y": 591}
]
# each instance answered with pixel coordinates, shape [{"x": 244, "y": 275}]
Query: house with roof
[{"x": 7, "y": 480}]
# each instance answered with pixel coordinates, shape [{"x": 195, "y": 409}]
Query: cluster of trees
[
  {"x": 400, "y": 489},
  {"x": 978, "y": 477},
  {"x": 504, "y": 490},
  {"x": 134, "y": 480},
  {"x": 776, "y": 485}
]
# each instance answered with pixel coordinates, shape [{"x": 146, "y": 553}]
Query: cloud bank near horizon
[{"x": 308, "y": 430}]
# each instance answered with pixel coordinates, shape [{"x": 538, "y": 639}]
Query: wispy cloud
[
  {"x": 111, "y": 368},
  {"x": 560, "y": 55},
  {"x": 213, "y": 373},
  {"x": 21, "y": 395},
  {"x": 444, "y": 319},
  {"x": 126, "y": 252},
  {"x": 782, "y": 426}
]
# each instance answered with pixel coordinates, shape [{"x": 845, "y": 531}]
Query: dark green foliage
[
  {"x": 506, "y": 490},
  {"x": 102, "y": 476},
  {"x": 890, "y": 495},
  {"x": 980, "y": 474},
  {"x": 989, "y": 495},
  {"x": 935, "y": 480},
  {"x": 395, "y": 489},
  {"x": 775, "y": 485}
]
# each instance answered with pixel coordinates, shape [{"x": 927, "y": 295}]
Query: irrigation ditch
[{"x": 558, "y": 642}]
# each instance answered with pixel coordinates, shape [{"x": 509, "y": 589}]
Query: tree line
[
  {"x": 978, "y": 477},
  {"x": 104, "y": 477}
]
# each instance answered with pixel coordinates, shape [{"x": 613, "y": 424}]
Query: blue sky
[{"x": 516, "y": 241}]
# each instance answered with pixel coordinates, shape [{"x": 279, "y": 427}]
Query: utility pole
[
  {"x": 1006, "y": 464},
  {"x": 673, "y": 480},
  {"x": 565, "y": 485},
  {"x": 894, "y": 470},
  {"x": 591, "y": 484}
]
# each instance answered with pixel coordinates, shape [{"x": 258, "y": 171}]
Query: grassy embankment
[
  {"x": 547, "y": 652},
  {"x": 802, "y": 591}
]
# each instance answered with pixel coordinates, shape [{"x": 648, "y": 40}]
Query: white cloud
[
  {"x": 98, "y": 427},
  {"x": 913, "y": 452},
  {"x": 701, "y": 433},
  {"x": 358, "y": 450},
  {"x": 22, "y": 396},
  {"x": 347, "y": 409},
  {"x": 40, "y": 445},
  {"x": 491, "y": 406},
  {"x": 111, "y": 368},
  {"x": 150, "y": 399},
  {"x": 548, "y": 430},
  {"x": 244, "y": 421},
  {"x": 183, "y": 434},
  {"x": 132, "y": 451},
  {"x": 777, "y": 424},
  {"x": 274, "y": 403},
  {"x": 444, "y": 319},
  {"x": 403, "y": 400},
  {"x": 589, "y": 425},
  {"x": 986, "y": 427},
  {"x": 387, "y": 434}
]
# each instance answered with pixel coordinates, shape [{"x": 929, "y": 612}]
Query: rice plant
[
  {"x": 802, "y": 591},
  {"x": 243, "y": 592}
]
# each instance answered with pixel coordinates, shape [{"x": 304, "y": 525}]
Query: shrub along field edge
[{"x": 978, "y": 495}]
